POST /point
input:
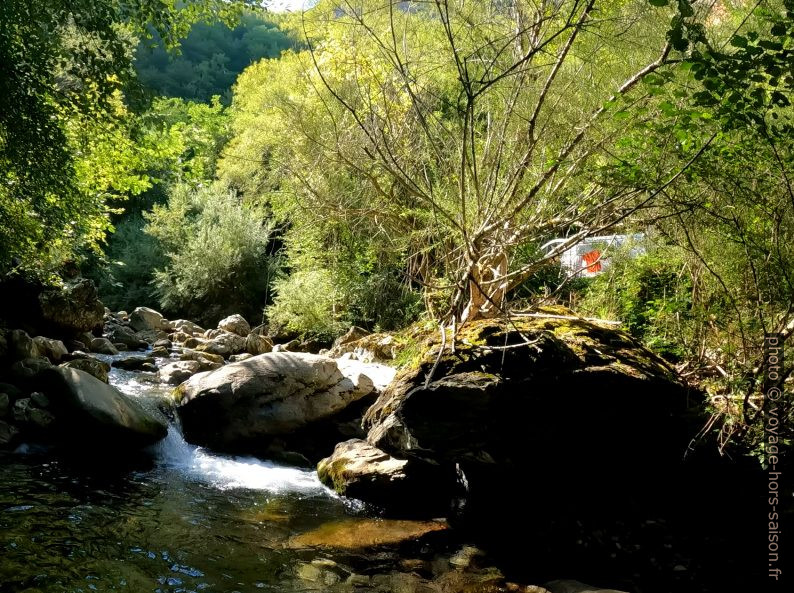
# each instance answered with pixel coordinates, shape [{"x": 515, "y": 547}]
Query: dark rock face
[
  {"x": 516, "y": 409},
  {"x": 75, "y": 308},
  {"x": 527, "y": 395}
]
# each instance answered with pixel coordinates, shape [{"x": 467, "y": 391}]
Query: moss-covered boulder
[
  {"x": 534, "y": 400},
  {"x": 356, "y": 469}
]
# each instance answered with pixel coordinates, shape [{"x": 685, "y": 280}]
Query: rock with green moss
[
  {"x": 537, "y": 400},
  {"x": 356, "y": 469}
]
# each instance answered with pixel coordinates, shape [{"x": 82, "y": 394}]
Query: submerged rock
[
  {"x": 264, "y": 396},
  {"x": 568, "y": 586},
  {"x": 360, "y": 534}
]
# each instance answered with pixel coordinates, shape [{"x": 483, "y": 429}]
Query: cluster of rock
[{"x": 53, "y": 390}]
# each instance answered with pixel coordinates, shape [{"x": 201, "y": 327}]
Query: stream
[{"x": 184, "y": 519}]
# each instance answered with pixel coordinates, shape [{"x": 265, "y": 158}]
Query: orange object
[{"x": 591, "y": 261}]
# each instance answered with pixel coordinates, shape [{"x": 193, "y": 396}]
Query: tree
[
  {"x": 216, "y": 249},
  {"x": 210, "y": 57},
  {"x": 482, "y": 120},
  {"x": 62, "y": 67}
]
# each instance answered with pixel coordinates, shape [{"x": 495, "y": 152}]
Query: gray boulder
[
  {"x": 179, "y": 371},
  {"x": 185, "y": 326},
  {"x": 103, "y": 346},
  {"x": 235, "y": 324},
  {"x": 21, "y": 345},
  {"x": 225, "y": 344},
  {"x": 90, "y": 365},
  {"x": 356, "y": 469},
  {"x": 257, "y": 344},
  {"x": 122, "y": 334},
  {"x": 136, "y": 363},
  {"x": 144, "y": 318},
  {"x": 266, "y": 395},
  {"x": 91, "y": 411},
  {"x": 55, "y": 350}
]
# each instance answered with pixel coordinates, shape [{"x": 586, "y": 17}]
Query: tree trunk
[{"x": 486, "y": 293}]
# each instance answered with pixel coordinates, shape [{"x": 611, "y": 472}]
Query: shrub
[
  {"x": 306, "y": 303},
  {"x": 217, "y": 254}
]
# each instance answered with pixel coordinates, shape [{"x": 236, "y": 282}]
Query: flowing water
[{"x": 179, "y": 519}]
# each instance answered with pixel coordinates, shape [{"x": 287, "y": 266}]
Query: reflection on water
[{"x": 181, "y": 520}]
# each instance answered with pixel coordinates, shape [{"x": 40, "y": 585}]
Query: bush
[
  {"x": 306, "y": 303},
  {"x": 217, "y": 255},
  {"x": 651, "y": 294}
]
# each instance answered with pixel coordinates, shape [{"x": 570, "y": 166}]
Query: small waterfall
[
  {"x": 225, "y": 473},
  {"x": 198, "y": 464}
]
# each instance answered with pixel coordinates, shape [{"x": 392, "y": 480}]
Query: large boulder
[
  {"x": 235, "y": 324},
  {"x": 90, "y": 411},
  {"x": 264, "y": 396},
  {"x": 144, "y": 318},
  {"x": 356, "y": 469},
  {"x": 539, "y": 399},
  {"x": 72, "y": 309}
]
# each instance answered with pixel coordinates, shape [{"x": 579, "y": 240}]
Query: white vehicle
[{"x": 591, "y": 256}]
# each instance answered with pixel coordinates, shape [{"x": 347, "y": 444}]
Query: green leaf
[
  {"x": 738, "y": 41},
  {"x": 659, "y": 3}
]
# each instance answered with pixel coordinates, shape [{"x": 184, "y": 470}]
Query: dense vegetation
[
  {"x": 395, "y": 161},
  {"x": 209, "y": 58}
]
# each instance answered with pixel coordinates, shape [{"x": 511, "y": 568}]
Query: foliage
[
  {"x": 125, "y": 279},
  {"x": 63, "y": 65},
  {"x": 464, "y": 137},
  {"x": 210, "y": 57},
  {"x": 217, "y": 254},
  {"x": 651, "y": 294},
  {"x": 305, "y": 304}
]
